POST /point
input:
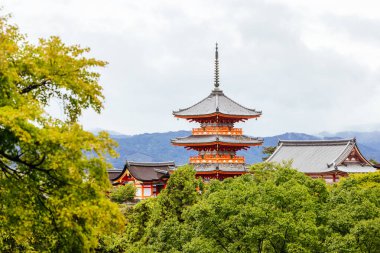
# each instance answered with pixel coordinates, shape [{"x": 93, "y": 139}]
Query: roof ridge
[
  {"x": 217, "y": 94},
  {"x": 326, "y": 142},
  {"x": 218, "y": 135},
  {"x": 151, "y": 163},
  {"x": 196, "y": 103},
  {"x": 336, "y": 162},
  {"x": 241, "y": 105},
  {"x": 279, "y": 145}
]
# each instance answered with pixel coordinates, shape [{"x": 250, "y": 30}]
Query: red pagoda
[{"x": 217, "y": 140}]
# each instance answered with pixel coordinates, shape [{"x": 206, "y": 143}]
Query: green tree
[
  {"x": 180, "y": 191},
  {"x": 52, "y": 193},
  {"x": 156, "y": 224},
  {"x": 353, "y": 215},
  {"x": 123, "y": 193},
  {"x": 268, "y": 151},
  {"x": 273, "y": 210}
]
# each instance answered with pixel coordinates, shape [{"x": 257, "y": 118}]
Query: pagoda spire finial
[{"x": 216, "y": 81}]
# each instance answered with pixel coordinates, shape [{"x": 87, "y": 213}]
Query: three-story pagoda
[{"x": 217, "y": 140}]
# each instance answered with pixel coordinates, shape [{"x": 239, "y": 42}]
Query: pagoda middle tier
[{"x": 217, "y": 140}]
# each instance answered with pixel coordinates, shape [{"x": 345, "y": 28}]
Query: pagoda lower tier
[
  {"x": 208, "y": 171},
  {"x": 217, "y": 153}
]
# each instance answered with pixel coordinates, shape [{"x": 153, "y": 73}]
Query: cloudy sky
[{"x": 310, "y": 66}]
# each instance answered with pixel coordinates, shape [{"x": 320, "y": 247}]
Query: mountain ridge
[{"x": 156, "y": 147}]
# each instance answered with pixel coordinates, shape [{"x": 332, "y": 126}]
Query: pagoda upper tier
[{"x": 217, "y": 108}]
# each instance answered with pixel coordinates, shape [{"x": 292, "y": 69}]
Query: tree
[
  {"x": 52, "y": 191},
  {"x": 180, "y": 191},
  {"x": 273, "y": 210},
  {"x": 123, "y": 193},
  {"x": 276, "y": 209},
  {"x": 353, "y": 215},
  {"x": 268, "y": 151},
  {"x": 157, "y": 224}
]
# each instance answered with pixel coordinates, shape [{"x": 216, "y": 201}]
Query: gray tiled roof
[
  {"x": 113, "y": 173},
  {"x": 356, "y": 168},
  {"x": 237, "y": 139},
  {"x": 147, "y": 171},
  {"x": 319, "y": 156},
  {"x": 217, "y": 102}
]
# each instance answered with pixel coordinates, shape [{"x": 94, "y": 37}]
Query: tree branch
[{"x": 34, "y": 86}]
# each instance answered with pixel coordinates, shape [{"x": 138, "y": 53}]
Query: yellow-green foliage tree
[{"x": 52, "y": 194}]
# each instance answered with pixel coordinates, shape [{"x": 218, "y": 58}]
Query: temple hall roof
[
  {"x": 220, "y": 139},
  {"x": 114, "y": 173},
  {"x": 217, "y": 104},
  {"x": 321, "y": 156},
  {"x": 146, "y": 171}
]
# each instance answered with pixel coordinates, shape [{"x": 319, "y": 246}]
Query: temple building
[
  {"x": 327, "y": 159},
  {"x": 217, "y": 140},
  {"x": 148, "y": 178}
]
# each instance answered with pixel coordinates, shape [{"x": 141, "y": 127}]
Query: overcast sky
[{"x": 310, "y": 66}]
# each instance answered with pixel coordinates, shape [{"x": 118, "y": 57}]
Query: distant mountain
[
  {"x": 156, "y": 147},
  {"x": 150, "y": 147},
  {"x": 110, "y": 132}
]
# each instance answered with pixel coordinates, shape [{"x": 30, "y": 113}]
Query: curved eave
[
  {"x": 217, "y": 143},
  {"x": 362, "y": 156},
  {"x": 123, "y": 173},
  {"x": 148, "y": 180},
  {"x": 217, "y": 114}
]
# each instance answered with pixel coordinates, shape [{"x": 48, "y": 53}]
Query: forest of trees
[
  {"x": 56, "y": 197},
  {"x": 272, "y": 209}
]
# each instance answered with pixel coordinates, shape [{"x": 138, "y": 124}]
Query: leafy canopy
[
  {"x": 272, "y": 209},
  {"x": 52, "y": 194}
]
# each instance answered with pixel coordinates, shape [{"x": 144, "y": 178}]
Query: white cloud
[{"x": 310, "y": 66}]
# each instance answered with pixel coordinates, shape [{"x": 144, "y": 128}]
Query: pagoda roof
[
  {"x": 321, "y": 156},
  {"x": 217, "y": 104},
  {"x": 240, "y": 140}
]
